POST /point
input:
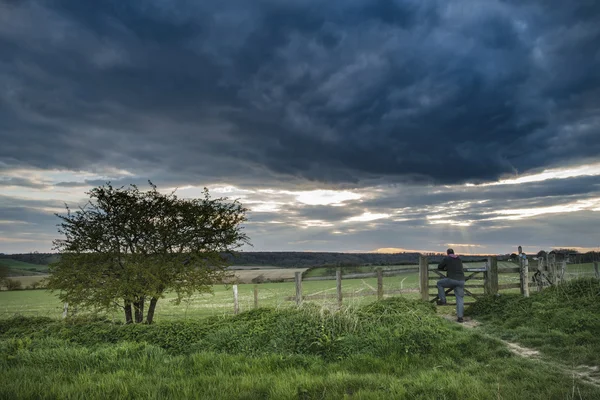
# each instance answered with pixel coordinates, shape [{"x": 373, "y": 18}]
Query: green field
[
  {"x": 20, "y": 268},
  {"x": 399, "y": 348},
  {"x": 220, "y": 302},
  {"x": 393, "y": 349}
]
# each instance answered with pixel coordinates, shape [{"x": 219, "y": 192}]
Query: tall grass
[
  {"x": 394, "y": 348},
  {"x": 563, "y": 321}
]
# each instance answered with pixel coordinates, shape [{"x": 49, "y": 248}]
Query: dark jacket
[{"x": 454, "y": 266}]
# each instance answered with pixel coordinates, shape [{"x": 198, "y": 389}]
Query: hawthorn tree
[{"x": 127, "y": 247}]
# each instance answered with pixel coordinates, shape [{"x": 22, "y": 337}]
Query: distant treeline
[
  {"x": 284, "y": 259},
  {"x": 312, "y": 259},
  {"x": 291, "y": 259},
  {"x": 32, "y": 258}
]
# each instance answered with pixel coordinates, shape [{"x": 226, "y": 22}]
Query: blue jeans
[{"x": 459, "y": 291}]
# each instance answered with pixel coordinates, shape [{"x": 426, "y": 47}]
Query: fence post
[
  {"x": 491, "y": 276},
  {"x": 552, "y": 265},
  {"x": 424, "y": 277},
  {"x": 486, "y": 277},
  {"x": 338, "y": 279},
  {"x": 255, "y": 296},
  {"x": 298, "y": 276},
  {"x": 379, "y": 283},
  {"x": 596, "y": 269},
  {"x": 563, "y": 269},
  {"x": 236, "y": 304},
  {"x": 65, "y": 310},
  {"x": 524, "y": 277}
]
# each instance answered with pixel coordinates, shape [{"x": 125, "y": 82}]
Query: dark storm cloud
[{"x": 269, "y": 91}]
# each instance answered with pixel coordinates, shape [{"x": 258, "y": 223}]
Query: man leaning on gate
[{"x": 455, "y": 279}]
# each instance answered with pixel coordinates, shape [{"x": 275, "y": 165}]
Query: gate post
[
  {"x": 552, "y": 268},
  {"x": 338, "y": 278},
  {"x": 491, "y": 276},
  {"x": 379, "y": 283},
  {"x": 298, "y": 279},
  {"x": 424, "y": 277},
  {"x": 524, "y": 277}
]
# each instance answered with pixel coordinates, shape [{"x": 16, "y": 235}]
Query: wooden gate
[{"x": 485, "y": 278}]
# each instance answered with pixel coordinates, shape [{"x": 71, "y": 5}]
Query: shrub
[{"x": 13, "y": 284}]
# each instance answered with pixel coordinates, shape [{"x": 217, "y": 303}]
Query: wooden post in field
[
  {"x": 65, "y": 310},
  {"x": 424, "y": 277},
  {"x": 491, "y": 276},
  {"x": 338, "y": 279},
  {"x": 524, "y": 277},
  {"x": 596, "y": 269},
  {"x": 236, "y": 304},
  {"x": 552, "y": 265},
  {"x": 255, "y": 296},
  {"x": 298, "y": 277},
  {"x": 563, "y": 270},
  {"x": 379, "y": 283}
]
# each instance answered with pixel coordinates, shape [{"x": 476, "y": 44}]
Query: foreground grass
[
  {"x": 563, "y": 321},
  {"x": 395, "y": 348}
]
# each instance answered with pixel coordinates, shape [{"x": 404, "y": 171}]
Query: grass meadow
[
  {"x": 274, "y": 295},
  {"x": 20, "y": 268},
  {"x": 391, "y": 349},
  {"x": 397, "y": 348}
]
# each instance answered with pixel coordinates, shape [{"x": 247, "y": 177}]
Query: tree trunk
[
  {"x": 151, "y": 308},
  {"x": 139, "y": 310},
  {"x": 128, "y": 315}
]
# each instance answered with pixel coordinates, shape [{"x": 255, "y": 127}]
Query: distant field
[
  {"x": 41, "y": 302},
  {"x": 44, "y": 303},
  {"x": 20, "y": 268},
  {"x": 247, "y": 274}
]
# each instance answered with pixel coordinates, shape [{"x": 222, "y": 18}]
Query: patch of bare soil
[
  {"x": 468, "y": 322},
  {"x": 586, "y": 373},
  {"x": 521, "y": 350}
]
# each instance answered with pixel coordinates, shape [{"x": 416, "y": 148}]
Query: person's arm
[{"x": 442, "y": 265}]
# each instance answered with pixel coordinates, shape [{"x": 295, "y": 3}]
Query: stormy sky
[{"x": 347, "y": 125}]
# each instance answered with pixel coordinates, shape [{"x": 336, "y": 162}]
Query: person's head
[{"x": 450, "y": 251}]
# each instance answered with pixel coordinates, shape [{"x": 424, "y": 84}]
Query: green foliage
[
  {"x": 562, "y": 320},
  {"x": 11, "y": 284},
  {"x": 390, "y": 326},
  {"x": 127, "y": 246}
]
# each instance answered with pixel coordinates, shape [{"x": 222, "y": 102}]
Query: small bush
[{"x": 13, "y": 284}]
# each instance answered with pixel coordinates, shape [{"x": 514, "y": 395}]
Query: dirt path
[{"x": 586, "y": 373}]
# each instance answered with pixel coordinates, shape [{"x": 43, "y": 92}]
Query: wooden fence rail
[{"x": 547, "y": 272}]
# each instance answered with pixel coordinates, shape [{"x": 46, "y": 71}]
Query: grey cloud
[
  {"x": 23, "y": 182},
  {"x": 290, "y": 92}
]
